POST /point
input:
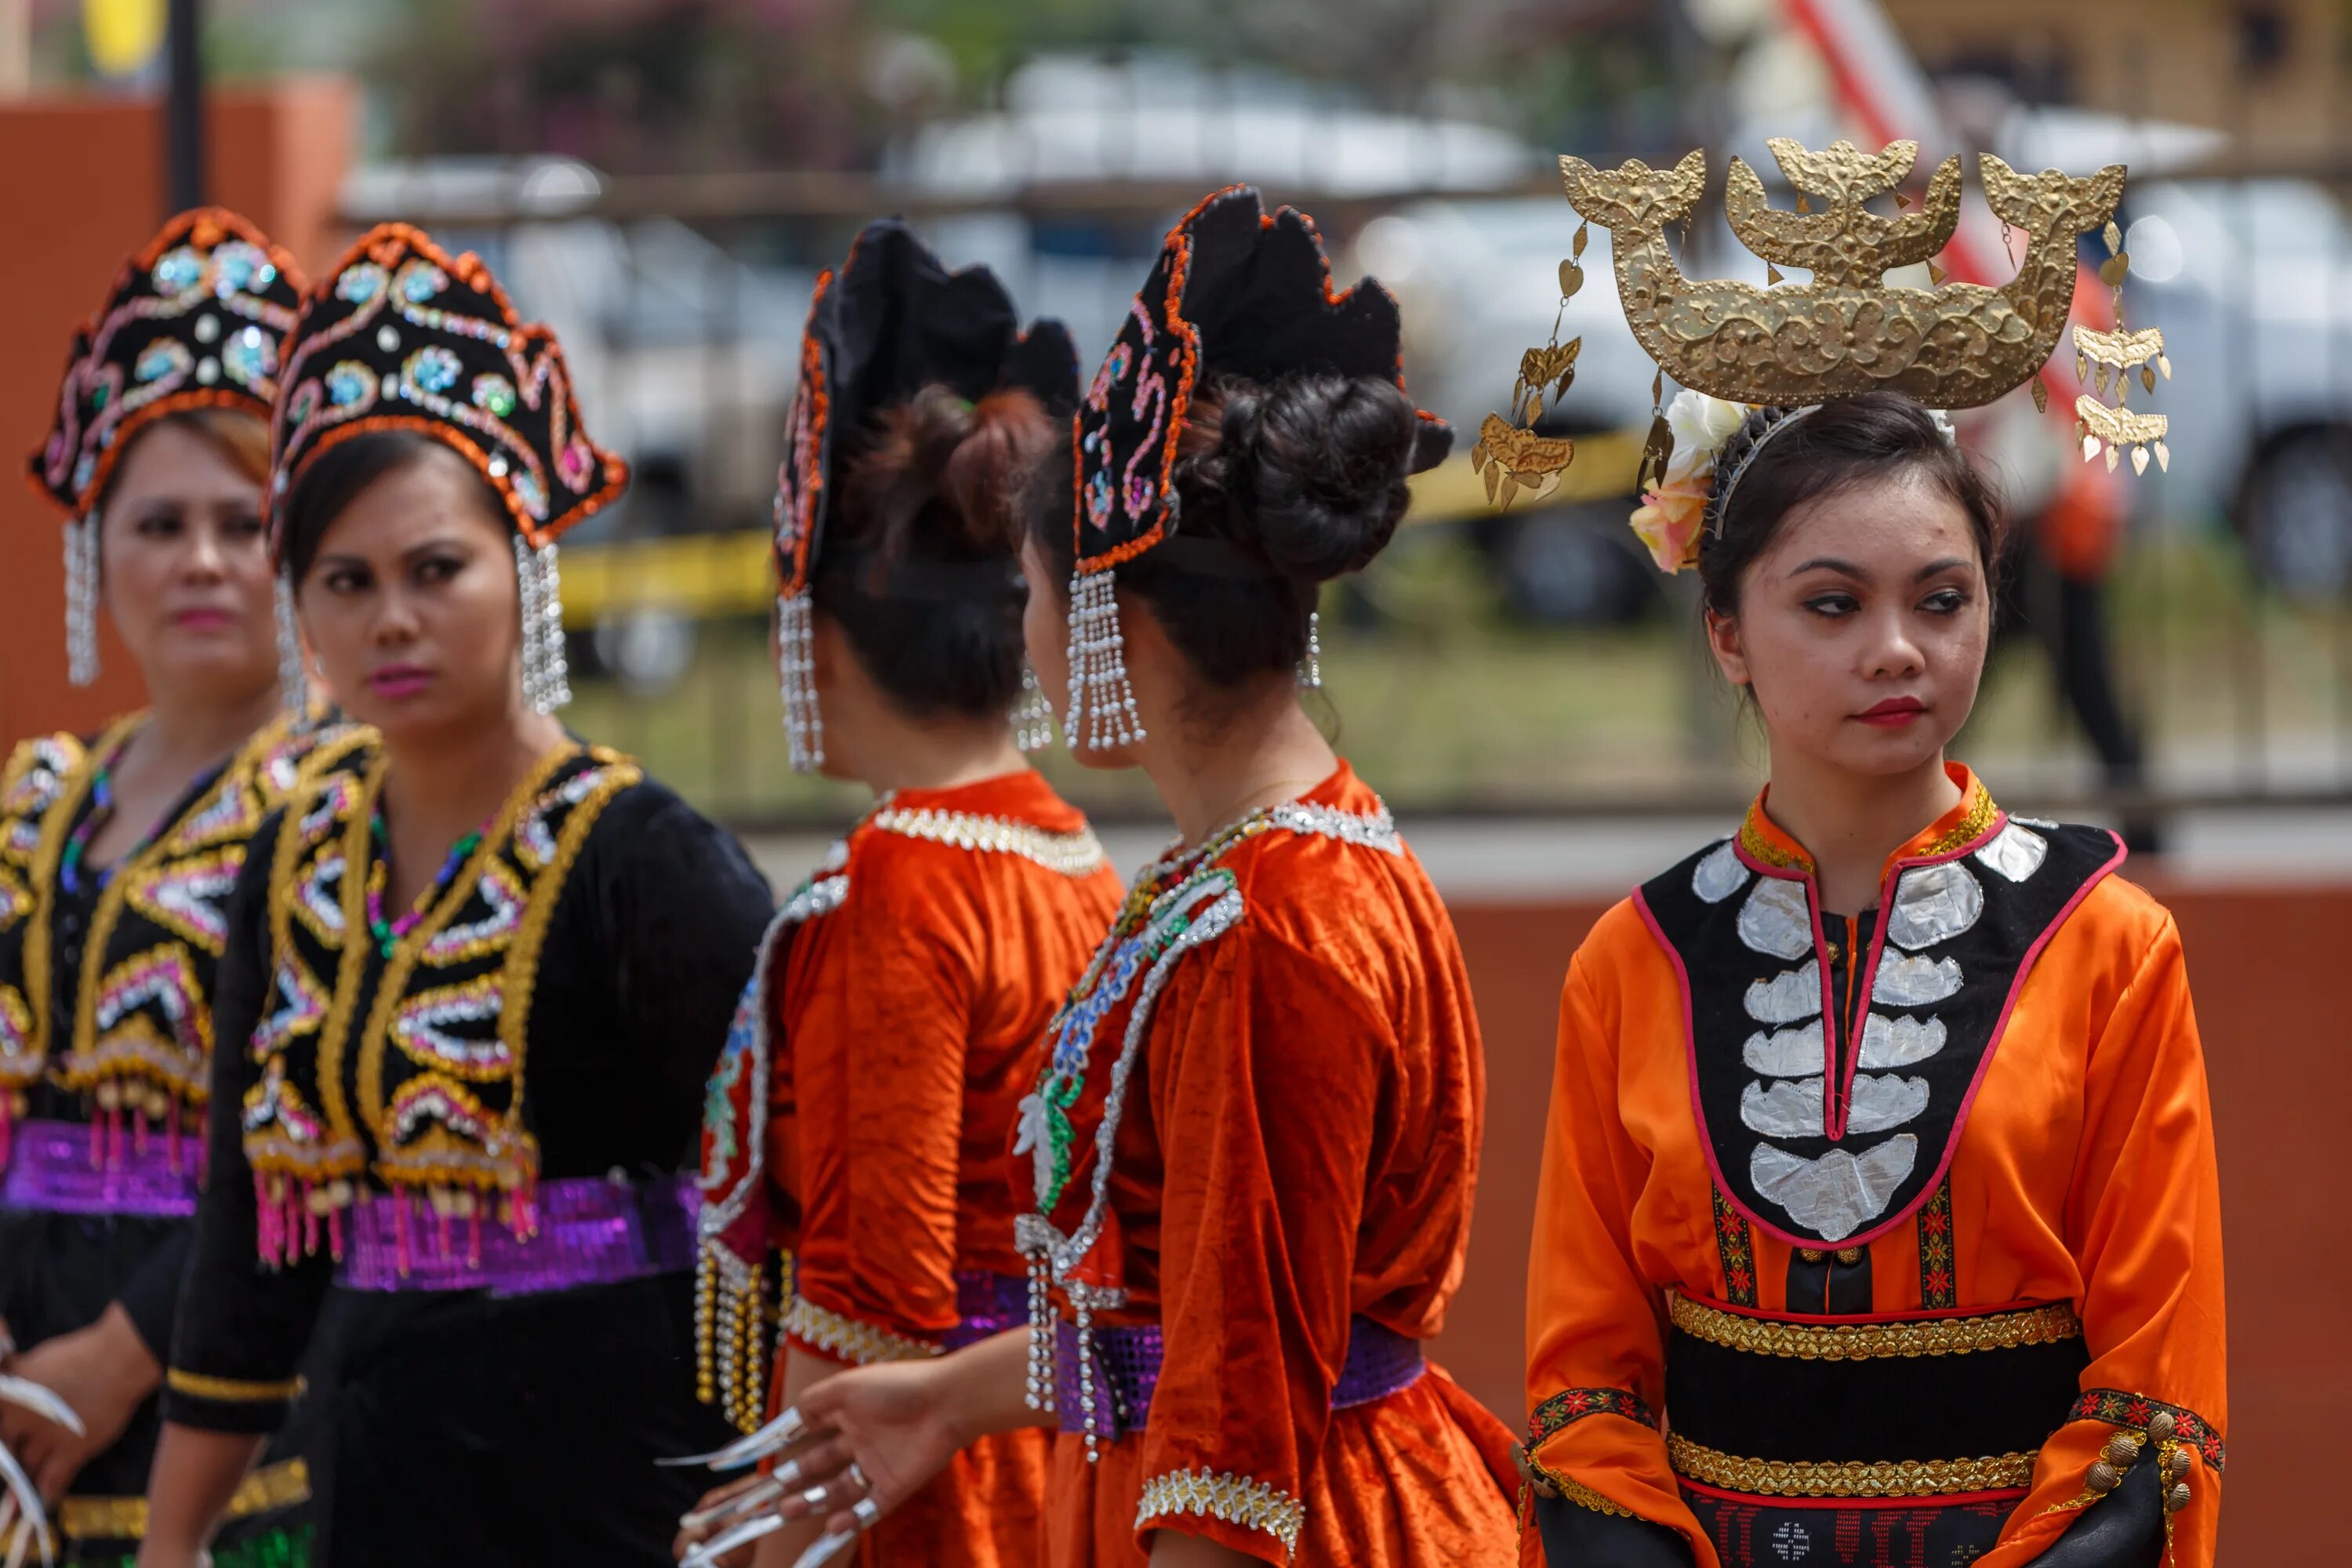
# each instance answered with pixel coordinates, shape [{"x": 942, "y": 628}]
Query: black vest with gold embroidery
[
  {"x": 140, "y": 1040},
  {"x": 406, "y": 1068}
]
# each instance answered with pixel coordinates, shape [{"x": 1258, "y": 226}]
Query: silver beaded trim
[
  {"x": 1102, "y": 703},
  {"x": 1219, "y": 1494},
  {"x": 1377, "y": 831},
  {"x": 796, "y": 678},
  {"x": 81, "y": 599},
  {"x": 1075, "y": 854},
  {"x": 847, "y": 1339},
  {"x": 293, "y": 669},
  {"x": 1212, "y": 904},
  {"x": 539, "y": 584},
  {"x": 1033, "y": 716}
]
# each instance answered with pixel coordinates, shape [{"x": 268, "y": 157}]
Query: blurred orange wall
[
  {"x": 81, "y": 180},
  {"x": 2279, "y": 1055}
]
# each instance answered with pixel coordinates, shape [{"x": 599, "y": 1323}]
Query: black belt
[{"x": 1921, "y": 1406}]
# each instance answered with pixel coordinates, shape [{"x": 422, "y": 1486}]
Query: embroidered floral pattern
[
  {"x": 1938, "y": 1276},
  {"x": 1215, "y": 1494},
  {"x": 1571, "y": 1406},
  {"x": 2136, "y": 1411},
  {"x": 1734, "y": 1248}
]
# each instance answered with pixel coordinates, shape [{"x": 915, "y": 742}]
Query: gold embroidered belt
[
  {"x": 281, "y": 1485},
  {"x": 1922, "y": 1404}
]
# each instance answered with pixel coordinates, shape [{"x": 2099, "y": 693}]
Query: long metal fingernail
[{"x": 708, "y": 1555}]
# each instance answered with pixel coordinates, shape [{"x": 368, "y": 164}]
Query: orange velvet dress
[
  {"x": 1276, "y": 1048},
  {"x": 903, "y": 994},
  {"x": 2009, "y": 1252}
]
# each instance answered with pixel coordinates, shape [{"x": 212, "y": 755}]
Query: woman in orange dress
[
  {"x": 1247, "y": 1163},
  {"x": 1878, "y": 1222},
  {"x": 858, "y": 1120}
]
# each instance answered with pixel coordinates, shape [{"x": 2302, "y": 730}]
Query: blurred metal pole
[{"x": 183, "y": 109}]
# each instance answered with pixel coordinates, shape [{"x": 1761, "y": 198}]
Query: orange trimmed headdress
[
  {"x": 195, "y": 319},
  {"x": 890, "y": 322},
  {"x": 1237, "y": 291},
  {"x": 404, "y": 336}
]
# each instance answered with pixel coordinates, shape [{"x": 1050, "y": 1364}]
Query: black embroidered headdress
[
  {"x": 890, "y": 322},
  {"x": 1236, "y": 293},
  {"x": 194, "y": 319},
  {"x": 403, "y": 336}
]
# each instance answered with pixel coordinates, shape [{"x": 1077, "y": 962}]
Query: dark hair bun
[
  {"x": 946, "y": 470},
  {"x": 1317, "y": 466}
]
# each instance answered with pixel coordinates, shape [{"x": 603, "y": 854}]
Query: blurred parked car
[{"x": 2252, "y": 282}]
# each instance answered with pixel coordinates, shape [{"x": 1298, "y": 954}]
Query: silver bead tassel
[
  {"x": 1033, "y": 716},
  {"x": 797, "y": 677},
  {"x": 293, "y": 669},
  {"x": 1101, "y": 699},
  {"x": 1310, "y": 669},
  {"x": 81, "y": 600},
  {"x": 539, "y": 585}
]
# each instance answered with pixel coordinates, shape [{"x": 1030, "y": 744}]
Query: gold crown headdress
[{"x": 1847, "y": 332}]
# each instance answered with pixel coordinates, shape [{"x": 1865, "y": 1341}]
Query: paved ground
[{"x": 1549, "y": 857}]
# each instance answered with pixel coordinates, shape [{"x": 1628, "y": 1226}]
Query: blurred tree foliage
[{"x": 670, "y": 85}]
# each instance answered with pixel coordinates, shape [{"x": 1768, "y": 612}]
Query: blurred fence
[{"x": 1521, "y": 661}]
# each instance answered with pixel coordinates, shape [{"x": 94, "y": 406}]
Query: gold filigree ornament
[
  {"x": 1957, "y": 346},
  {"x": 1509, "y": 455},
  {"x": 2100, "y": 357}
]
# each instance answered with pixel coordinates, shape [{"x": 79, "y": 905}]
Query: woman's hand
[
  {"x": 103, "y": 1373},
  {"x": 711, "y": 1515},
  {"x": 877, "y": 1436}
]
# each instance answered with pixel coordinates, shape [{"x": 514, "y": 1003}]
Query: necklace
[
  {"x": 100, "y": 813},
  {"x": 388, "y": 935},
  {"x": 1232, "y": 820}
]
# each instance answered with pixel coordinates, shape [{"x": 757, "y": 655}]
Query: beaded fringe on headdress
[
  {"x": 293, "y": 670},
  {"x": 81, "y": 599},
  {"x": 546, "y": 673},
  {"x": 797, "y": 674},
  {"x": 1033, "y": 716},
  {"x": 1102, "y": 703}
]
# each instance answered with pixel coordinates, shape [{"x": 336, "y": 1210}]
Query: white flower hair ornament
[{"x": 1675, "y": 513}]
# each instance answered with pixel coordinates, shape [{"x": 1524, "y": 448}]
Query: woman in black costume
[
  {"x": 461, "y": 1100},
  {"x": 117, "y": 854}
]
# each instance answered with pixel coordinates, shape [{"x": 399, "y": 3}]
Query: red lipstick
[
  {"x": 398, "y": 682},
  {"x": 1893, "y": 713}
]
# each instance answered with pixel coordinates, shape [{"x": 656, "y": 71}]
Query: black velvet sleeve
[
  {"x": 654, "y": 941},
  {"x": 2123, "y": 1530},
  {"x": 241, "y": 1329},
  {"x": 1577, "y": 1537},
  {"x": 151, "y": 1295}
]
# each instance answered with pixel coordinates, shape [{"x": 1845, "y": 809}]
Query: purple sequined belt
[
  {"x": 987, "y": 1304},
  {"x": 1381, "y": 1362},
  {"x": 57, "y": 1166},
  {"x": 591, "y": 1231}
]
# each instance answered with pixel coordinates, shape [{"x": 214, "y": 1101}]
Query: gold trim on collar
[
  {"x": 1855, "y": 1479},
  {"x": 281, "y": 1485},
  {"x": 1876, "y": 1341},
  {"x": 1973, "y": 825}
]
